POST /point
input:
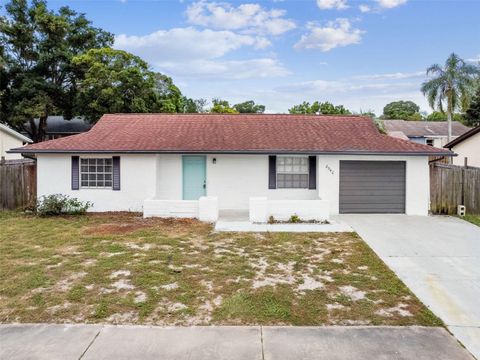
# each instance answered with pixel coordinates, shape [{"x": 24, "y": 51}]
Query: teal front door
[{"x": 194, "y": 177}]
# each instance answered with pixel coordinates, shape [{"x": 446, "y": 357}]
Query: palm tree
[{"x": 453, "y": 85}]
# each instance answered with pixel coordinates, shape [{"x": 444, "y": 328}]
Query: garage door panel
[{"x": 372, "y": 187}]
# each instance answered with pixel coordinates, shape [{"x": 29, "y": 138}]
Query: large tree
[
  {"x": 319, "y": 108},
  {"x": 451, "y": 85},
  {"x": 404, "y": 110},
  {"x": 472, "y": 115},
  {"x": 249, "y": 107},
  {"x": 37, "y": 77},
  {"x": 116, "y": 81},
  {"x": 222, "y": 107}
]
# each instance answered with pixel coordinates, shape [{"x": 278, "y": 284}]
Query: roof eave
[
  {"x": 252, "y": 152},
  {"x": 462, "y": 137}
]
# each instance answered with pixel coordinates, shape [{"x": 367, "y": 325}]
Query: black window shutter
[
  {"x": 312, "y": 172},
  {"x": 116, "y": 172},
  {"x": 272, "y": 172},
  {"x": 75, "y": 176}
]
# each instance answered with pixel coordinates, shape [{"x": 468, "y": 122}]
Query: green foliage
[
  {"x": 319, "y": 108},
  {"x": 249, "y": 107},
  {"x": 405, "y": 110},
  {"x": 117, "y": 82},
  {"x": 37, "y": 76},
  {"x": 294, "y": 219},
  {"x": 194, "y": 105},
  {"x": 452, "y": 84},
  {"x": 439, "y": 116},
  {"x": 58, "y": 204},
  {"x": 472, "y": 115},
  {"x": 222, "y": 107},
  {"x": 170, "y": 98},
  {"x": 271, "y": 220}
]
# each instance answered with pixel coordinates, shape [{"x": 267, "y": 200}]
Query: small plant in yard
[
  {"x": 294, "y": 219},
  {"x": 271, "y": 220},
  {"x": 59, "y": 204}
]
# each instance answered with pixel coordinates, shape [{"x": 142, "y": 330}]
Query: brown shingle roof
[
  {"x": 424, "y": 128},
  {"x": 190, "y": 133}
]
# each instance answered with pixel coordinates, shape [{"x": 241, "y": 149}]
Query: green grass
[
  {"x": 121, "y": 268},
  {"x": 474, "y": 219}
]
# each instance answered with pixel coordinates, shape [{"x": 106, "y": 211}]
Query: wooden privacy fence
[
  {"x": 452, "y": 185},
  {"x": 18, "y": 184}
]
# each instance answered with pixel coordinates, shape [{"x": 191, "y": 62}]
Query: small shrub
[
  {"x": 271, "y": 220},
  {"x": 294, "y": 219},
  {"x": 59, "y": 204}
]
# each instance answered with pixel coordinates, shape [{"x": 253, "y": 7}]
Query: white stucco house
[
  {"x": 197, "y": 165},
  {"x": 467, "y": 147},
  {"x": 10, "y": 139}
]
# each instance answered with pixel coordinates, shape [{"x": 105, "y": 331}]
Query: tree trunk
[
  {"x": 449, "y": 124},
  {"x": 42, "y": 125}
]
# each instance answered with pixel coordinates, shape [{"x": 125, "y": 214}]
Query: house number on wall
[{"x": 329, "y": 169}]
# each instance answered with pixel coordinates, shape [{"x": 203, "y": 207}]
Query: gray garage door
[{"x": 372, "y": 187}]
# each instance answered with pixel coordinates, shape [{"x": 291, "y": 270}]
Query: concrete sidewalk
[{"x": 44, "y": 341}]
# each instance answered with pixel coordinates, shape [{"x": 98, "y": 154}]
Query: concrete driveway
[{"x": 438, "y": 258}]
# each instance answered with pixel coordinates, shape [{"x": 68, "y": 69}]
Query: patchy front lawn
[{"x": 120, "y": 268}]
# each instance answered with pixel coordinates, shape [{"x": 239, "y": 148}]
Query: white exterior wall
[
  {"x": 233, "y": 179},
  {"x": 468, "y": 148},
  {"x": 417, "y": 182},
  {"x": 7, "y": 142},
  {"x": 137, "y": 181}
]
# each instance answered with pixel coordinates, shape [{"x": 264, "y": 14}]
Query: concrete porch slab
[{"x": 246, "y": 226}]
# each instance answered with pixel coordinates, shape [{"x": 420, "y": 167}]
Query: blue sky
[{"x": 362, "y": 54}]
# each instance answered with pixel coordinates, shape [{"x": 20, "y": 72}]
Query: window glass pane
[{"x": 95, "y": 172}]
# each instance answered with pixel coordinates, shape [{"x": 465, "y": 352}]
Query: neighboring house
[
  {"x": 192, "y": 164},
  {"x": 433, "y": 133},
  {"x": 467, "y": 147},
  {"x": 10, "y": 139},
  {"x": 58, "y": 126}
]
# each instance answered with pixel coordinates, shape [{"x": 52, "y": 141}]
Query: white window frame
[
  {"x": 292, "y": 171},
  {"x": 88, "y": 161}
]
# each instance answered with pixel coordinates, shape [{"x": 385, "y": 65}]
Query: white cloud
[
  {"x": 391, "y": 76},
  {"x": 189, "y": 52},
  {"x": 226, "y": 69},
  {"x": 336, "y": 33},
  {"x": 364, "y": 8},
  {"x": 358, "y": 92},
  {"x": 179, "y": 44},
  {"x": 474, "y": 60},
  {"x": 332, "y": 4},
  {"x": 248, "y": 18},
  {"x": 389, "y": 4}
]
